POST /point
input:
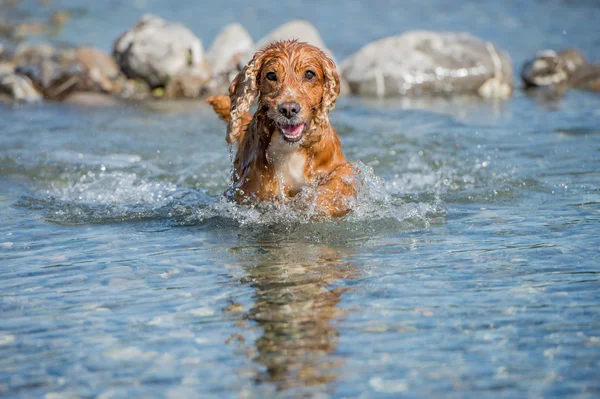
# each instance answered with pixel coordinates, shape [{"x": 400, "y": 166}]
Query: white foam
[
  {"x": 374, "y": 202},
  {"x": 114, "y": 188}
]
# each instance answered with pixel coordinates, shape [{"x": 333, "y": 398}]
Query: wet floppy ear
[
  {"x": 331, "y": 90},
  {"x": 243, "y": 92},
  {"x": 332, "y": 84}
]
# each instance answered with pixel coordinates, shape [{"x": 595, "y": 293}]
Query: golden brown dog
[{"x": 288, "y": 146}]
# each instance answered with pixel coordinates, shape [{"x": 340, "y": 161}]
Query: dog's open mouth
[{"x": 292, "y": 133}]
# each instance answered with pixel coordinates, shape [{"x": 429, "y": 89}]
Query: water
[{"x": 471, "y": 268}]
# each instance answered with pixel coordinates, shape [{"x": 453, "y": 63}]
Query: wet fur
[{"x": 268, "y": 168}]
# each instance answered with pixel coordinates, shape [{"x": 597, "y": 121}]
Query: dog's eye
[
  {"x": 271, "y": 76},
  {"x": 310, "y": 75}
]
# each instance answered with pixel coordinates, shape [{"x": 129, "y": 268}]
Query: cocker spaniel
[{"x": 287, "y": 149}]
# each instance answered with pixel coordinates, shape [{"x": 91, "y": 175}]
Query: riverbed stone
[
  {"x": 101, "y": 68},
  {"x": 558, "y": 71},
  {"x": 92, "y": 58},
  {"x": 26, "y": 54},
  {"x": 429, "y": 63},
  {"x": 189, "y": 83},
  {"x": 155, "y": 50},
  {"x": 586, "y": 78},
  {"x": 6, "y": 67},
  {"x": 18, "y": 87},
  {"x": 58, "y": 73}
]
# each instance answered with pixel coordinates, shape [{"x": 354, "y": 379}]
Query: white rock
[
  {"x": 154, "y": 50},
  {"x": 425, "y": 62},
  {"x": 231, "y": 42}
]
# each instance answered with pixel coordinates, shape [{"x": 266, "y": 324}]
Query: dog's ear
[
  {"x": 331, "y": 90},
  {"x": 243, "y": 92}
]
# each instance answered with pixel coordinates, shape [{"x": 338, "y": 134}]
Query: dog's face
[
  {"x": 296, "y": 84},
  {"x": 291, "y": 88}
]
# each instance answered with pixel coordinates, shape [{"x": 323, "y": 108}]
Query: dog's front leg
[{"x": 336, "y": 192}]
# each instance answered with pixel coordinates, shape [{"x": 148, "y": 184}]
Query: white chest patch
[{"x": 288, "y": 162}]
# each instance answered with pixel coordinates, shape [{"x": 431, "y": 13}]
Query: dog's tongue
[{"x": 292, "y": 130}]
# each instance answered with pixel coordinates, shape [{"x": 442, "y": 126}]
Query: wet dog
[{"x": 288, "y": 146}]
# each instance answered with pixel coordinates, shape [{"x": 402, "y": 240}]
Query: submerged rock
[
  {"x": 155, "y": 50},
  {"x": 425, "y": 63},
  {"x": 557, "y": 71}
]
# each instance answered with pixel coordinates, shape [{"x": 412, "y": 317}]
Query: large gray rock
[
  {"x": 425, "y": 62},
  {"x": 231, "y": 42},
  {"x": 155, "y": 50}
]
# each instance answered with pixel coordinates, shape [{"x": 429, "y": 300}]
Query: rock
[
  {"x": 6, "y": 68},
  {"x": 155, "y": 50},
  {"x": 232, "y": 42},
  {"x": 133, "y": 90},
  {"x": 18, "y": 87},
  {"x": 190, "y": 83},
  {"x": 54, "y": 76},
  {"x": 557, "y": 71},
  {"x": 587, "y": 77},
  {"x": 424, "y": 62},
  {"x": 551, "y": 68},
  {"x": 92, "y": 58},
  {"x": 100, "y": 67},
  {"x": 60, "y": 72},
  {"x": 26, "y": 54}
]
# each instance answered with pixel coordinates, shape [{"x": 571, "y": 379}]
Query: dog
[{"x": 287, "y": 149}]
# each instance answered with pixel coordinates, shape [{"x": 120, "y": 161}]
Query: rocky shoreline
[{"x": 158, "y": 59}]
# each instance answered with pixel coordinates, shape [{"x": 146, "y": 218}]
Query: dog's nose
[{"x": 289, "y": 109}]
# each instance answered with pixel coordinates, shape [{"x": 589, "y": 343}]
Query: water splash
[
  {"x": 108, "y": 197},
  {"x": 114, "y": 188},
  {"x": 374, "y": 202}
]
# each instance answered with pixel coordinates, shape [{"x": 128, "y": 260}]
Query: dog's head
[{"x": 295, "y": 83}]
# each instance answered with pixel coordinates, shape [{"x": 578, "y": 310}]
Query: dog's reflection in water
[{"x": 296, "y": 306}]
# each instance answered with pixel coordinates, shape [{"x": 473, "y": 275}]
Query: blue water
[{"x": 471, "y": 269}]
